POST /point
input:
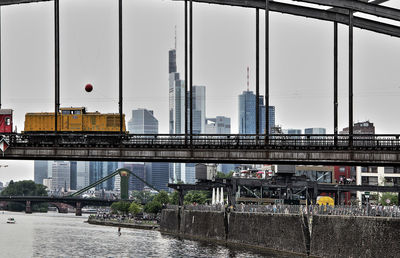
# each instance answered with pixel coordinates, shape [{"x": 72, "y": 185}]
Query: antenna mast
[
  {"x": 175, "y": 37},
  {"x": 247, "y": 78}
]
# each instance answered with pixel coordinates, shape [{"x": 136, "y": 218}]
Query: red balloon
[{"x": 88, "y": 87}]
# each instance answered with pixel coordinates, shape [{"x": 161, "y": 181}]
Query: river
[{"x": 65, "y": 235}]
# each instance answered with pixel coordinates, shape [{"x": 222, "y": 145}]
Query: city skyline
[{"x": 89, "y": 54}]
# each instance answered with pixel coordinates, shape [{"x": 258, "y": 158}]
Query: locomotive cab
[{"x": 72, "y": 119}]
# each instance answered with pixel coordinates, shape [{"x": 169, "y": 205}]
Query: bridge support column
[
  {"x": 181, "y": 197},
  {"x": 78, "y": 209},
  {"x": 315, "y": 194},
  {"x": 398, "y": 198},
  {"x": 28, "y": 209}
]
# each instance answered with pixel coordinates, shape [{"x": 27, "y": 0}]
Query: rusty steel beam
[
  {"x": 363, "y": 7},
  {"x": 314, "y": 13},
  {"x": 13, "y": 2}
]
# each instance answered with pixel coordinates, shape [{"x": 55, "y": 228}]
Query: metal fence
[{"x": 342, "y": 210}]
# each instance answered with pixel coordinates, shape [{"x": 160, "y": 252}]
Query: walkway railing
[
  {"x": 211, "y": 141},
  {"x": 342, "y": 210}
]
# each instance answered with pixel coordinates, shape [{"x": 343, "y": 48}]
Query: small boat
[{"x": 11, "y": 221}]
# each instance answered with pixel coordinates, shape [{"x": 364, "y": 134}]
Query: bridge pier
[
  {"x": 78, "y": 209},
  {"x": 398, "y": 198},
  {"x": 28, "y": 208}
]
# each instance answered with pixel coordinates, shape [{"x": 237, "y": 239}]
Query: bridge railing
[
  {"x": 214, "y": 140},
  {"x": 343, "y": 210}
]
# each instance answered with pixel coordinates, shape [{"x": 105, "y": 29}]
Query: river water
[{"x": 64, "y": 235}]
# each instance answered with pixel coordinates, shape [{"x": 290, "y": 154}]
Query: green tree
[
  {"x": 388, "y": 199},
  {"x": 162, "y": 197},
  {"x": 121, "y": 206},
  {"x": 199, "y": 197},
  {"x": 142, "y": 197},
  {"x": 25, "y": 188},
  {"x": 174, "y": 198},
  {"x": 153, "y": 207},
  {"x": 115, "y": 207},
  {"x": 223, "y": 175},
  {"x": 135, "y": 208}
]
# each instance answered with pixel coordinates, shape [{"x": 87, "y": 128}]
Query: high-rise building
[
  {"x": 111, "y": 168},
  {"x": 96, "y": 173},
  {"x": 291, "y": 131},
  {"x": 361, "y": 128},
  {"x": 315, "y": 131},
  {"x": 198, "y": 109},
  {"x": 82, "y": 174},
  {"x": 176, "y": 97},
  {"x": 138, "y": 169},
  {"x": 143, "y": 122},
  {"x": 40, "y": 171},
  {"x": 176, "y": 112},
  {"x": 73, "y": 175},
  {"x": 61, "y": 175},
  {"x": 218, "y": 125},
  {"x": 247, "y": 114},
  {"x": 157, "y": 175}
]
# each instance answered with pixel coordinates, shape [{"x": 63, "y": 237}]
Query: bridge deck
[{"x": 290, "y": 149}]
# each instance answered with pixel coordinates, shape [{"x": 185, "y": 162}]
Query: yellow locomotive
[{"x": 73, "y": 119}]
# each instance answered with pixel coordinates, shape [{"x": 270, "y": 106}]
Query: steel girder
[
  {"x": 326, "y": 15},
  {"x": 368, "y": 8}
]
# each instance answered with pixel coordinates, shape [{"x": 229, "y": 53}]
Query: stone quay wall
[
  {"x": 345, "y": 236},
  {"x": 317, "y": 236},
  {"x": 279, "y": 232}
]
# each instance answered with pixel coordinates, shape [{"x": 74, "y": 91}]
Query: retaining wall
[
  {"x": 330, "y": 236},
  {"x": 340, "y": 236},
  {"x": 282, "y": 232},
  {"x": 276, "y": 232}
]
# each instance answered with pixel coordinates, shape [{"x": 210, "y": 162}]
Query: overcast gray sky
[{"x": 224, "y": 45}]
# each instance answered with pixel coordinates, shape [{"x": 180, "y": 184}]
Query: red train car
[{"x": 6, "y": 120}]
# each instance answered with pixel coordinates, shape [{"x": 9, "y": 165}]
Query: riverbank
[
  {"x": 301, "y": 234},
  {"x": 114, "y": 223}
]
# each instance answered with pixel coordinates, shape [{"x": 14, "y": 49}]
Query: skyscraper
[
  {"x": 176, "y": 97},
  {"x": 61, "y": 175},
  {"x": 247, "y": 114},
  {"x": 82, "y": 174},
  {"x": 138, "y": 169},
  {"x": 40, "y": 171},
  {"x": 218, "y": 125},
  {"x": 143, "y": 122},
  {"x": 315, "y": 131},
  {"x": 157, "y": 175},
  {"x": 176, "y": 112},
  {"x": 73, "y": 175},
  {"x": 199, "y": 109}
]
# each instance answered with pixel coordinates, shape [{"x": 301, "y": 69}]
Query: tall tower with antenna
[{"x": 248, "y": 78}]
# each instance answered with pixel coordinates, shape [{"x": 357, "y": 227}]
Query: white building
[
  {"x": 382, "y": 176},
  {"x": 61, "y": 175},
  {"x": 48, "y": 182}
]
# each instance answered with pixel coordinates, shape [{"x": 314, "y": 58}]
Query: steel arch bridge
[{"x": 335, "y": 11}]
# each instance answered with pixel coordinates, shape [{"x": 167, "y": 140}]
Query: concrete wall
[
  {"x": 275, "y": 232},
  {"x": 331, "y": 236},
  {"x": 170, "y": 221},
  {"x": 203, "y": 224},
  {"x": 281, "y": 232},
  {"x": 339, "y": 236}
]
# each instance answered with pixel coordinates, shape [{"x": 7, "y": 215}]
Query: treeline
[
  {"x": 151, "y": 203},
  {"x": 25, "y": 188}
]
